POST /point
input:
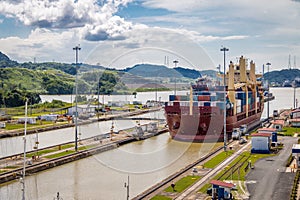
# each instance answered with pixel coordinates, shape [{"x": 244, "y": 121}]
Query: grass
[
  {"x": 288, "y": 131},
  {"x": 160, "y": 197},
  {"x": 217, "y": 159},
  {"x": 60, "y": 154},
  {"x": 46, "y": 151},
  {"x": 67, "y": 152},
  {"x": 15, "y": 126},
  {"x": 240, "y": 173},
  {"x": 183, "y": 183},
  {"x": 11, "y": 167},
  {"x": 40, "y": 152}
]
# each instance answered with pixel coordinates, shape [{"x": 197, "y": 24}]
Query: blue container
[
  {"x": 195, "y": 98},
  {"x": 172, "y": 98},
  {"x": 274, "y": 137},
  {"x": 241, "y": 95},
  {"x": 213, "y": 98},
  {"x": 207, "y": 104},
  {"x": 205, "y": 93}
]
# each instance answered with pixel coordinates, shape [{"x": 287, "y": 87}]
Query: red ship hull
[{"x": 206, "y": 123}]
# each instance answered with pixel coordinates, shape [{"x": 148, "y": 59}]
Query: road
[{"x": 269, "y": 180}]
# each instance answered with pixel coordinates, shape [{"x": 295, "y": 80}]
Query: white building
[
  {"x": 82, "y": 110},
  {"x": 296, "y": 153},
  {"x": 30, "y": 120},
  {"x": 261, "y": 142}
]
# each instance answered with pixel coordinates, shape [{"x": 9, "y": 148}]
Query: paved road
[{"x": 269, "y": 180}]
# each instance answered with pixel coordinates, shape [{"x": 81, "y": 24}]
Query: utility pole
[
  {"x": 268, "y": 64},
  {"x": 77, "y": 48},
  {"x": 126, "y": 185},
  {"x": 24, "y": 158},
  {"x": 175, "y": 65},
  {"x": 224, "y": 49}
]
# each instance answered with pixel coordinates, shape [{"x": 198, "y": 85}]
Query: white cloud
[{"x": 98, "y": 22}]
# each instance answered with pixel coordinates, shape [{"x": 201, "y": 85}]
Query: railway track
[{"x": 170, "y": 179}]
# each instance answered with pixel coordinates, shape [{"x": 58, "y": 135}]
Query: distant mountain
[
  {"x": 4, "y": 57},
  {"x": 6, "y": 62},
  {"x": 149, "y": 70},
  {"x": 188, "y": 73},
  {"x": 279, "y": 77}
]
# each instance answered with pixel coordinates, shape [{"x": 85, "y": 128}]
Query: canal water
[
  {"x": 14, "y": 145},
  {"x": 103, "y": 176}
]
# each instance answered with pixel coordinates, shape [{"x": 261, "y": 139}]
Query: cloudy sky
[{"x": 119, "y": 33}]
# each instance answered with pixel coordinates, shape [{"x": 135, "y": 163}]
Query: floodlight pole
[
  {"x": 268, "y": 64},
  {"x": 77, "y": 48},
  {"x": 224, "y": 49},
  {"x": 175, "y": 65}
]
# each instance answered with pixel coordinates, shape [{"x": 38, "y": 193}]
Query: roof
[
  {"x": 296, "y": 146},
  {"x": 279, "y": 121},
  {"x": 297, "y": 110},
  {"x": 267, "y": 129},
  {"x": 295, "y": 120},
  {"x": 261, "y": 134},
  {"x": 222, "y": 183}
]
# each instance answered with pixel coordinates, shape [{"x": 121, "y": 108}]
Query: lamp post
[
  {"x": 224, "y": 49},
  {"x": 24, "y": 153},
  {"x": 268, "y": 111},
  {"x": 175, "y": 65},
  {"x": 126, "y": 185},
  {"x": 76, "y": 49},
  {"x": 294, "y": 86}
]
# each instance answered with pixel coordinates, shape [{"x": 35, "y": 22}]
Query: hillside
[
  {"x": 148, "y": 70},
  {"x": 279, "y": 77}
]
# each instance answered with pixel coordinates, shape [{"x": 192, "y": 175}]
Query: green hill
[
  {"x": 148, "y": 70},
  {"x": 279, "y": 77}
]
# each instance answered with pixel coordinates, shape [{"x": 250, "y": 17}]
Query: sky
[{"x": 121, "y": 33}]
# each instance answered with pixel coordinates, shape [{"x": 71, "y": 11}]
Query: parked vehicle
[
  {"x": 243, "y": 129},
  {"x": 236, "y": 134},
  {"x": 243, "y": 141}
]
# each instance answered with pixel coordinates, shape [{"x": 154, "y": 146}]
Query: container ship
[{"x": 199, "y": 115}]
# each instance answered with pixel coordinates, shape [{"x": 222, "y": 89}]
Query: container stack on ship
[{"x": 199, "y": 116}]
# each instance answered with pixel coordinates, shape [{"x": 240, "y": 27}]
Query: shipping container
[
  {"x": 213, "y": 98},
  {"x": 172, "y": 98},
  {"x": 238, "y": 109},
  {"x": 207, "y": 103},
  {"x": 203, "y": 98},
  {"x": 221, "y": 105}
]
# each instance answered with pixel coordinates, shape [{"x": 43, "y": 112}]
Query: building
[
  {"x": 50, "y": 117},
  {"x": 273, "y": 131},
  {"x": 261, "y": 142},
  {"x": 278, "y": 124},
  {"x": 118, "y": 103},
  {"x": 295, "y": 122},
  {"x": 30, "y": 120},
  {"x": 82, "y": 110},
  {"x": 221, "y": 190},
  {"x": 295, "y": 114},
  {"x": 296, "y": 154}
]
